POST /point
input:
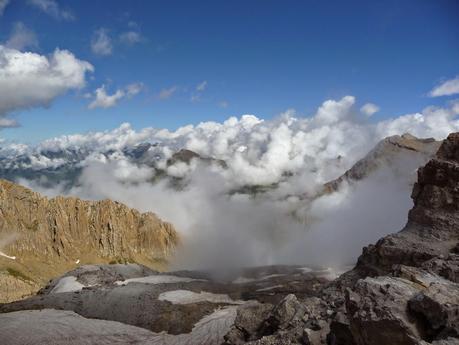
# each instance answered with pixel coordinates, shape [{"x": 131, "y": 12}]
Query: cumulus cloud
[
  {"x": 286, "y": 159},
  {"x": 447, "y": 88},
  {"x": 369, "y": 109},
  {"x": 21, "y": 37},
  {"x": 167, "y": 92},
  {"x": 103, "y": 100},
  {"x": 435, "y": 122},
  {"x": 31, "y": 80},
  {"x": 101, "y": 43},
  {"x": 52, "y": 8},
  {"x": 3, "y": 4}
]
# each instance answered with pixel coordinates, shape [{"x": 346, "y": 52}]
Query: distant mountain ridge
[{"x": 403, "y": 152}]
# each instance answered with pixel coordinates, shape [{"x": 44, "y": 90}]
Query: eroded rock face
[
  {"x": 403, "y": 290},
  {"x": 415, "y": 295},
  {"x": 433, "y": 223},
  {"x": 51, "y": 236}
]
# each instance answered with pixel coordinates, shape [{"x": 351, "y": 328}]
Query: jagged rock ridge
[
  {"x": 405, "y": 152},
  {"x": 403, "y": 291},
  {"x": 51, "y": 236}
]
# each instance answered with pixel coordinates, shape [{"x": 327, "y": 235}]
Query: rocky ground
[
  {"x": 138, "y": 305},
  {"x": 403, "y": 290}
]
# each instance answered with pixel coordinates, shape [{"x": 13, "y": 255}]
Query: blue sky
[{"x": 256, "y": 57}]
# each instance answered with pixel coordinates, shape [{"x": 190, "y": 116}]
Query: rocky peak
[
  {"x": 405, "y": 152},
  {"x": 54, "y": 235}
]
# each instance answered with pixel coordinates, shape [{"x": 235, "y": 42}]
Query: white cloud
[
  {"x": 434, "y": 122},
  {"x": 447, "y": 88},
  {"x": 21, "y": 37},
  {"x": 52, "y": 8},
  {"x": 3, "y": 4},
  {"x": 133, "y": 89},
  {"x": 369, "y": 109},
  {"x": 8, "y": 123},
  {"x": 104, "y": 100},
  {"x": 167, "y": 93},
  {"x": 101, "y": 43},
  {"x": 31, "y": 80},
  {"x": 334, "y": 111},
  {"x": 130, "y": 37}
]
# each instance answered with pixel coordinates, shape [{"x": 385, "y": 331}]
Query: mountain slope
[
  {"x": 403, "y": 154},
  {"x": 46, "y": 237}
]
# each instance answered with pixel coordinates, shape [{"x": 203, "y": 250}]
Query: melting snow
[
  {"x": 188, "y": 297},
  {"x": 66, "y": 327},
  {"x": 7, "y": 256},
  {"x": 305, "y": 269},
  {"x": 67, "y": 284},
  {"x": 270, "y": 288},
  {"x": 158, "y": 279},
  {"x": 244, "y": 280}
]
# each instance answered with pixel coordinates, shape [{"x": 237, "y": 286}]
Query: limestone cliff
[
  {"x": 433, "y": 223},
  {"x": 45, "y": 237}
]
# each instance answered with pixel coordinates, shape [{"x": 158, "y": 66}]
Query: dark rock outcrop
[{"x": 403, "y": 290}]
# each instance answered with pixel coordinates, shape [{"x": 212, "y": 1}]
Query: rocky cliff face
[
  {"x": 49, "y": 236},
  {"x": 433, "y": 223},
  {"x": 404, "y": 289}
]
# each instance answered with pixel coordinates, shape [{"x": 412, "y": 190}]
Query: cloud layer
[{"x": 260, "y": 208}]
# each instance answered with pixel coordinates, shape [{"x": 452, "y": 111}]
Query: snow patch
[
  {"x": 270, "y": 288},
  {"x": 242, "y": 280},
  {"x": 188, "y": 297},
  {"x": 67, "y": 284},
  {"x": 7, "y": 256},
  {"x": 305, "y": 269}
]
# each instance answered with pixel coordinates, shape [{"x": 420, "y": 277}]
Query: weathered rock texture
[
  {"x": 432, "y": 230},
  {"x": 51, "y": 236},
  {"x": 403, "y": 290}
]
